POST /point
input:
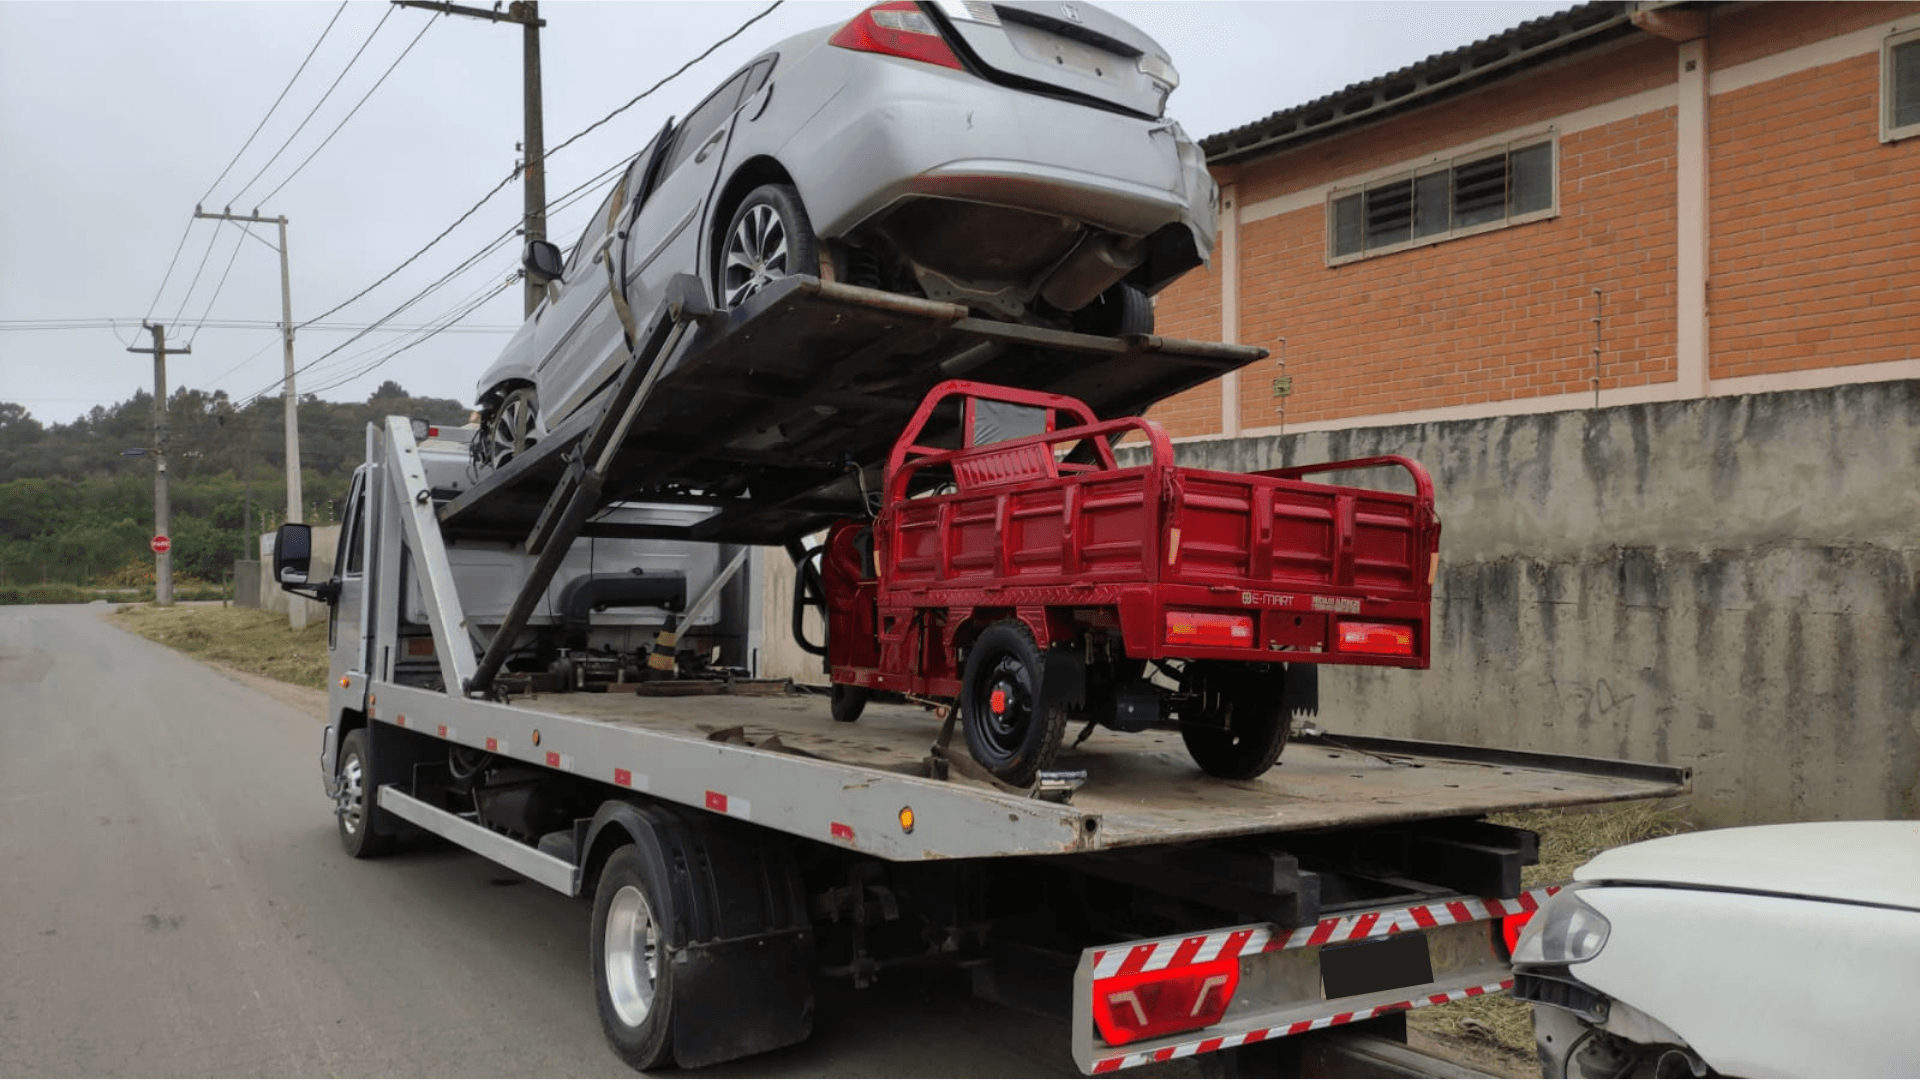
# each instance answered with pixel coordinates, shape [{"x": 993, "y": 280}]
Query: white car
[{"x": 1773, "y": 950}]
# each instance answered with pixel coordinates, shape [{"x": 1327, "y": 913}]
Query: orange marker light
[
  {"x": 343, "y": 682},
  {"x": 906, "y": 819}
]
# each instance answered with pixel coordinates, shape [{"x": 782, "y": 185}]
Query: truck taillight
[
  {"x": 1208, "y": 628},
  {"x": 1148, "y": 1004},
  {"x": 897, "y": 29},
  {"x": 1380, "y": 639}
]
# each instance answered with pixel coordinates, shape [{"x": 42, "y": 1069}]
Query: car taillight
[
  {"x": 897, "y": 29},
  {"x": 1510, "y": 928},
  {"x": 1381, "y": 639},
  {"x": 1208, "y": 628},
  {"x": 1148, "y": 1004}
]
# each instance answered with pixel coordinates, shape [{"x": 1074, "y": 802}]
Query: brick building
[{"x": 1620, "y": 204}]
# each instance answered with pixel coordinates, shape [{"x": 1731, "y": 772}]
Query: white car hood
[{"x": 1864, "y": 862}]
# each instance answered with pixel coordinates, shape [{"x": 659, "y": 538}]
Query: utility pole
[
  {"x": 297, "y": 617},
  {"x": 527, "y": 14},
  {"x": 162, "y": 507}
]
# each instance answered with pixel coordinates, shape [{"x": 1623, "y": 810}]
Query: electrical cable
[
  {"x": 276, "y": 104},
  {"x": 511, "y": 176},
  {"x": 316, "y": 107},
  {"x": 350, "y": 113},
  {"x": 191, "y": 285},
  {"x": 231, "y": 259}
]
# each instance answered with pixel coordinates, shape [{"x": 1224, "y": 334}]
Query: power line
[
  {"x": 61, "y": 325},
  {"x": 168, "y": 276},
  {"x": 238, "y": 242},
  {"x": 191, "y": 285},
  {"x": 509, "y": 178},
  {"x": 316, "y": 108},
  {"x": 270, "y": 109},
  {"x": 356, "y": 108}
]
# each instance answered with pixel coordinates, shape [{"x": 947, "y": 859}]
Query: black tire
[
  {"x": 1120, "y": 311},
  {"x": 509, "y": 430},
  {"x": 633, "y": 987},
  {"x": 1242, "y": 731},
  {"x": 768, "y": 238},
  {"x": 847, "y": 702},
  {"x": 1019, "y": 738},
  {"x": 355, "y": 819}
]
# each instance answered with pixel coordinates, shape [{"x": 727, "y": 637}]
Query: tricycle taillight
[
  {"x": 1209, "y": 628},
  {"x": 1146, "y": 1004},
  {"x": 1379, "y": 639},
  {"x": 897, "y": 29}
]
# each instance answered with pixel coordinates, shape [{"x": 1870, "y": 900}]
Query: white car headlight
[{"x": 1565, "y": 931}]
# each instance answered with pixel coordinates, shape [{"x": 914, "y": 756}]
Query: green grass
[
  {"x": 251, "y": 640},
  {"x": 60, "y": 593}
]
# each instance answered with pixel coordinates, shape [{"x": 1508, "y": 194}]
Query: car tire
[
  {"x": 1019, "y": 738},
  {"x": 1121, "y": 311},
  {"x": 768, "y": 238},
  {"x": 511, "y": 424},
  {"x": 846, "y": 702},
  {"x": 1242, "y": 735},
  {"x": 355, "y": 819},
  {"x": 632, "y": 971}
]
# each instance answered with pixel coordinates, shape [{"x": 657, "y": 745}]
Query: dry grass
[
  {"x": 1568, "y": 839},
  {"x": 248, "y": 639}
]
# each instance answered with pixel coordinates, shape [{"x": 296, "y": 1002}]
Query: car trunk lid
[{"x": 1064, "y": 47}]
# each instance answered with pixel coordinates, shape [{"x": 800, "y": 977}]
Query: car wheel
[
  {"x": 633, "y": 974},
  {"x": 847, "y": 702},
  {"x": 1010, "y": 728},
  {"x": 769, "y": 238},
  {"x": 355, "y": 818},
  {"x": 512, "y": 427},
  {"x": 1241, "y": 729},
  {"x": 1119, "y": 312}
]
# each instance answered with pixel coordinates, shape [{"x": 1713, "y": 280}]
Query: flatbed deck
[{"x": 790, "y": 767}]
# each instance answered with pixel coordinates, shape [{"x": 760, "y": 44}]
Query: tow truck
[{"x": 739, "y": 845}]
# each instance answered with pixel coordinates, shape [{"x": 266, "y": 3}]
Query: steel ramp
[{"x": 766, "y": 411}]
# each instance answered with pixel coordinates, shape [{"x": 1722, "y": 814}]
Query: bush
[{"x": 50, "y": 594}]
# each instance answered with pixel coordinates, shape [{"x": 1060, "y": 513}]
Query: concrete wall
[{"x": 1727, "y": 583}]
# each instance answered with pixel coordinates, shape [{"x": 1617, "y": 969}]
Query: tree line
[{"x": 76, "y": 499}]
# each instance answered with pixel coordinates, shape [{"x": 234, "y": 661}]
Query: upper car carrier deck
[
  {"x": 782, "y": 762},
  {"x": 764, "y": 411}
]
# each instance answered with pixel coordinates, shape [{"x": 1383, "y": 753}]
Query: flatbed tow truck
[{"x": 739, "y": 846}]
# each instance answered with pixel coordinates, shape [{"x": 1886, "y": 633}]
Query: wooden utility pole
[
  {"x": 297, "y": 610},
  {"x": 162, "y": 506},
  {"x": 527, "y": 14}
]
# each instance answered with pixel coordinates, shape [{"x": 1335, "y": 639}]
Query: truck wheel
[
  {"x": 768, "y": 239},
  {"x": 632, "y": 976},
  {"x": 1119, "y": 312},
  {"x": 847, "y": 702},
  {"x": 513, "y": 426},
  {"x": 350, "y": 810},
  {"x": 1010, "y": 729},
  {"x": 1241, "y": 733}
]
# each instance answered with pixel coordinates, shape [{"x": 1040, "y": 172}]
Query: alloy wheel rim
[
  {"x": 756, "y": 254},
  {"x": 351, "y": 796},
  {"x": 632, "y": 955}
]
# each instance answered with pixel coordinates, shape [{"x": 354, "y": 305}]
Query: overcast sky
[{"x": 117, "y": 118}]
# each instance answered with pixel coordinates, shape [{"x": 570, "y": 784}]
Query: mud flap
[
  {"x": 1300, "y": 691},
  {"x": 742, "y": 997}
]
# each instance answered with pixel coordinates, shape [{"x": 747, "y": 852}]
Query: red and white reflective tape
[
  {"x": 1247, "y": 941},
  {"x": 730, "y": 805},
  {"x": 557, "y": 760},
  {"x": 1298, "y": 1027}
]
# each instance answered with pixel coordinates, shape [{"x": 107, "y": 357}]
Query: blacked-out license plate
[{"x": 1368, "y": 967}]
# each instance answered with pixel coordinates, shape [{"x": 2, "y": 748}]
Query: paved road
[{"x": 173, "y": 902}]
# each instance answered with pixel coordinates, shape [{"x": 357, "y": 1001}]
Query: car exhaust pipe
[{"x": 1090, "y": 270}]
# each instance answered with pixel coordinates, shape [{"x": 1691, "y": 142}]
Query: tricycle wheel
[
  {"x": 847, "y": 702},
  {"x": 1010, "y": 728},
  {"x": 1240, "y": 726}
]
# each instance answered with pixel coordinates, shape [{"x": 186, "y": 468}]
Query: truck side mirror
[
  {"x": 292, "y": 553},
  {"x": 542, "y": 262}
]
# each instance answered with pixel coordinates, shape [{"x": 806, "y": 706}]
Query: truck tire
[
  {"x": 351, "y": 813},
  {"x": 847, "y": 701},
  {"x": 632, "y": 976},
  {"x": 769, "y": 238},
  {"x": 1121, "y": 311},
  {"x": 1241, "y": 736},
  {"x": 1011, "y": 729}
]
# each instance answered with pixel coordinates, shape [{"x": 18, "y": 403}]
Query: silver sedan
[{"x": 1012, "y": 157}]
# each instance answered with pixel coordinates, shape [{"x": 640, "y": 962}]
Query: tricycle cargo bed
[{"x": 781, "y": 761}]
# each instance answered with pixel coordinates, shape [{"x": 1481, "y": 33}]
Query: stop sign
[{"x": 161, "y": 544}]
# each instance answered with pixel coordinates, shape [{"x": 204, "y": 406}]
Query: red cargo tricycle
[{"x": 1016, "y": 568}]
